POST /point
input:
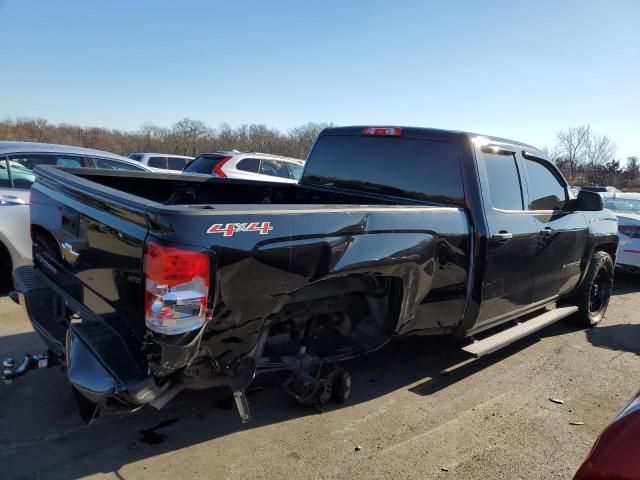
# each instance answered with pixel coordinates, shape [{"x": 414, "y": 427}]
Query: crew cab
[{"x": 144, "y": 285}]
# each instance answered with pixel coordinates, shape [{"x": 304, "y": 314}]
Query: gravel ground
[{"x": 491, "y": 419}]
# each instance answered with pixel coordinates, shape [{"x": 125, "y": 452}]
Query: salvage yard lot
[{"x": 490, "y": 419}]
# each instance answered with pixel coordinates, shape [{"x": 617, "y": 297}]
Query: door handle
[
  {"x": 547, "y": 231},
  {"x": 502, "y": 237},
  {"x": 10, "y": 200}
]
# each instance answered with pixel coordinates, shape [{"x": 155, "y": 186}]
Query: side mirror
[{"x": 587, "y": 202}]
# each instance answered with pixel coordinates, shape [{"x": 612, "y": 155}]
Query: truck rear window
[{"x": 407, "y": 167}]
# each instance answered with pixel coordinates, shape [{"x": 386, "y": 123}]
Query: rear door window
[
  {"x": 274, "y": 168},
  {"x": 157, "y": 162},
  {"x": 114, "y": 165},
  {"x": 504, "y": 181},
  {"x": 177, "y": 163},
  {"x": 545, "y": 189},
  {"x": 406, "y": 167},
  {"x": 21, "y": 165},
  {"x": 249, "y": 165}
]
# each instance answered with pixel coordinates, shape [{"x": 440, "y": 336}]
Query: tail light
[
  {"x": 176, "y": 289},
  {"x": 382, "y": 131},
  {"x": 217, "y": 170},
  {"x": 632, "y": 231}
]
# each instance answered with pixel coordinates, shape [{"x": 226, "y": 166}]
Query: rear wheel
[{"x": 594, "y": 293}]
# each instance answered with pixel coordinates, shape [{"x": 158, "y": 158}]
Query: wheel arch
[
  {"x": 40, "y": 233},
  {"x": 611, "y": 248},
  {"x": 6, "y": 266}
]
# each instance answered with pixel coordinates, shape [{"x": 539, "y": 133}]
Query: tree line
[
  {"x": 186, "y": 137},
  {"x": 584, "y": 156}
]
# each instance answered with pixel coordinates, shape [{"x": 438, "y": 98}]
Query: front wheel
[{"x": 593, "y": 295}]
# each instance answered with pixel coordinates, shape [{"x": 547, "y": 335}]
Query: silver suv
[
  {"x": 17, "y": 160},
  {"x": 248, "y": 166}
]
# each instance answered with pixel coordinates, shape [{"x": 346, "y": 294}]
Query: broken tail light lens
[
  {"x": 176, "y": 289},
  {"x": 632, "y": 231}
]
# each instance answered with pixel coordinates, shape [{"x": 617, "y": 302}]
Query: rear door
[
  {"x": 513, "y": 236},
  {"x": 562, "y": 234}
]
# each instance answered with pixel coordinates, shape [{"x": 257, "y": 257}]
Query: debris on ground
[
  {"x": 557, "y": 400},
  {"x": 576, "y": 423}
]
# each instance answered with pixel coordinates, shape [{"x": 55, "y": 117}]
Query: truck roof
[{"x": 432, "y": 134}]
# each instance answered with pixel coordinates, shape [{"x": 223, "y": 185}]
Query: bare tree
[
  {"x": 301, "y": 138},
  {"x": 572, "y": 145},
  {"x": 600, "y": 157}
]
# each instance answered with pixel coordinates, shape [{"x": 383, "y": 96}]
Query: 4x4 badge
[{"x": 230, "y": 228}]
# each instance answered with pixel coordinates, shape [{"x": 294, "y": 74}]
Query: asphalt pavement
[{"x": 491, "y": 419}]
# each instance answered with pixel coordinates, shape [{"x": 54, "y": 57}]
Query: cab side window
[
  {"x": 545, "y": 189},
  {"x": 504, "y": 181}
]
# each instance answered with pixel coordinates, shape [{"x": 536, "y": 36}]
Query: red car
[{"x": 616, "y": 453}]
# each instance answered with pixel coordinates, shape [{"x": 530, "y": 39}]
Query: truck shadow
[
  {"x": 623, "y": 337},
  {"x": 38, "y": 412}
]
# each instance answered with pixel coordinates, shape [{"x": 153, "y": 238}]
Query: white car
[
  {"x": 627, "y": 208},
  {"x": 161, "y": 161},
  {"x": 248, "y": 166},
  {"x": 17, "y": 160}
]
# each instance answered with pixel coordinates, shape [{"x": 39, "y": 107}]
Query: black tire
[{"x": 593, "y": 295}]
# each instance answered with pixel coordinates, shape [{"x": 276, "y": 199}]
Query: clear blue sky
[{"x": 521, "y": 69}]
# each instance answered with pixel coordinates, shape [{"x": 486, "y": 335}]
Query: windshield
[{"x": 626, "y": 205}]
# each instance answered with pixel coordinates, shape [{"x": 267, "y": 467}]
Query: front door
[
  {"x": 563, "y": 234},
  {"x": 513, "y": 236}
]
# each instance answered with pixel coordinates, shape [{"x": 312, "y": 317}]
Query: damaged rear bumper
[{"x": 80, "y": 341}]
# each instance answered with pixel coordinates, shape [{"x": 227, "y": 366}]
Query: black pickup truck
[{"x": 147, "y": 284}]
